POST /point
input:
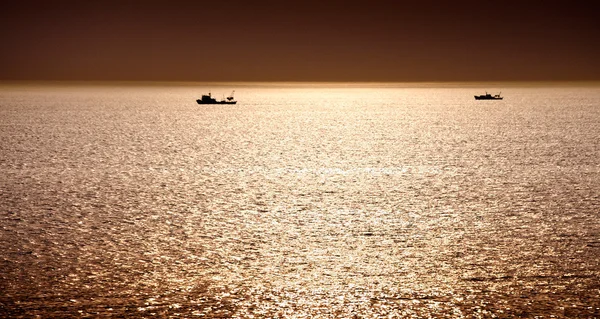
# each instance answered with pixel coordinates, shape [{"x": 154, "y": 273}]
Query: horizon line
[{"x": 293, "y": 82}]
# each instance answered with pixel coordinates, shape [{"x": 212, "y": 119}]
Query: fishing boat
[
  {"x": 208, "y": 99},
  {"x": 488, "y": 96}
]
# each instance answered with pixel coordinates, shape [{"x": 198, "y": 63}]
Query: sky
[{"x": 310, "y": 40}]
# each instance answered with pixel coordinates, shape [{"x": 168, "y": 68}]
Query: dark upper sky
[{"x": 295, "y": 40}]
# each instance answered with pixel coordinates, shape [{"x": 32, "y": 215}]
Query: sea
[{"x": 303, "y": 200}]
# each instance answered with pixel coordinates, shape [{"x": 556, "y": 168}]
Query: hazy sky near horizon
[{"x": 300, "y": 40}]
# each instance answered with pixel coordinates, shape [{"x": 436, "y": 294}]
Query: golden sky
[{"x": 300, "y": 40}]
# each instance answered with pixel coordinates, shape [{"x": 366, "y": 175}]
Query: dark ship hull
[
  {"x": 488, "y": 96},
  {"x": 482, "y": 97},
  {"x": 215, "y": 102}
]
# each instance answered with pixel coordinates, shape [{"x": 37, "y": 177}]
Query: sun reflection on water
[{"x": 299, "y": 202}]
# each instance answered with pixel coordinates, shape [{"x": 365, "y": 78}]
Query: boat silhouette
[
  {"x": 208, "y": 99},
  {"x": 488, "y": 96}
]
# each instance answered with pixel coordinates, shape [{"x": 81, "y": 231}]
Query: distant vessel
[
  {"x": 488, "y": 96},
  {"x": 208, "y": 99}
]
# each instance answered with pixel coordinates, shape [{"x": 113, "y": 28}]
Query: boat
[
  {"x": 208, "y": 99},
  {"x": 488, "y": 96}
]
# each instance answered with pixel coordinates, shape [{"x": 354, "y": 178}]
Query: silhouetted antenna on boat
[{"x": 230, "y": 97}]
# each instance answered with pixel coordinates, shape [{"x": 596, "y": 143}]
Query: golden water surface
[{"x": 301, "y": 201}]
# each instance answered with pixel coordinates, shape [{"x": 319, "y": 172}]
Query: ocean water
[{"x": 301, "y": 201}]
